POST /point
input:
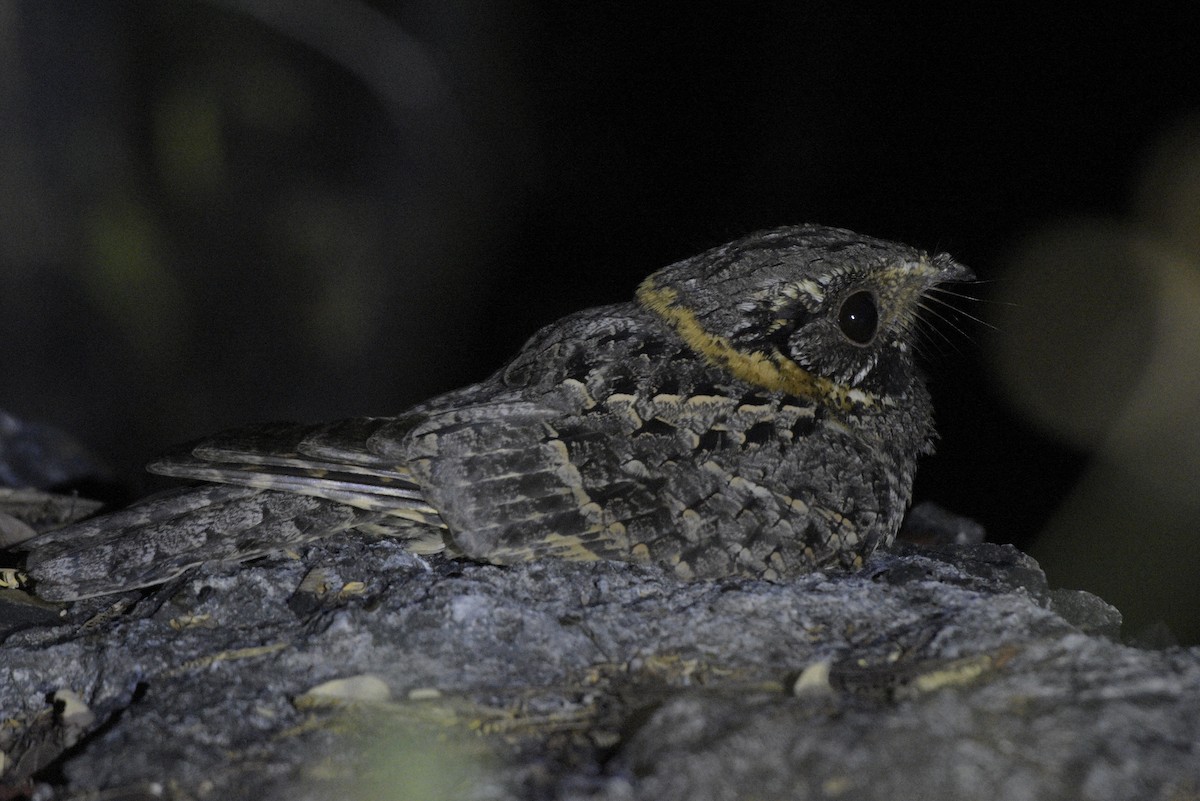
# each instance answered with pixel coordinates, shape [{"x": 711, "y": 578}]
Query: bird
[{"x": 756, "y": 410}]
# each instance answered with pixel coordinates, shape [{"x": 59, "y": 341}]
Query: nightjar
[{"x": 755, "y": 411}]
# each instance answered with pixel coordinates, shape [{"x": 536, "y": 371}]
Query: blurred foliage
[
  {"x": 246, "y": 225},
  {"x": 1101, "y": 345},
  {"x": 130, "y": 280},
  {"x": 414, "y": 765}
]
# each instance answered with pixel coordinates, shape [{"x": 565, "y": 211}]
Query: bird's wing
[
  {"x": 705, "y": 483},
  {"x": 330, "y": 461},
  {"x": 503, "y": 479}
]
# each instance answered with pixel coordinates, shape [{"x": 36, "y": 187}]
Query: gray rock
[{"x": 928, "y": 674}]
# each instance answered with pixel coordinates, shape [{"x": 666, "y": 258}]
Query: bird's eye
[{"x": 858, "y": 318}]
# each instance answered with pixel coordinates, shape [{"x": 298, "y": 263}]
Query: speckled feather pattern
[{"x": 734, "y": 419}]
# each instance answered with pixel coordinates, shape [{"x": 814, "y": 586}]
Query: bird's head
[{"x": 807, "y": 310}]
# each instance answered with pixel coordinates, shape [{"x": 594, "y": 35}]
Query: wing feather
[{"x": 330, "y": 461}]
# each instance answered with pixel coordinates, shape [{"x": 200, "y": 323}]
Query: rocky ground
[{"x": 353, "y": 669}]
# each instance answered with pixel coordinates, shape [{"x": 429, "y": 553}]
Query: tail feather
[{"x": 161, "y": 537}]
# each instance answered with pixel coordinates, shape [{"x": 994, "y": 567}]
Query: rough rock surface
[{"x": 932, "y": 674}]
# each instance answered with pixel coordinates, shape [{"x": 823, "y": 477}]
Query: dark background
[{"x": 220, "y": 213}]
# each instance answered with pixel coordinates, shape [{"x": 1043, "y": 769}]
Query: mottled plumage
[{"x": 755, "y": 411}]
